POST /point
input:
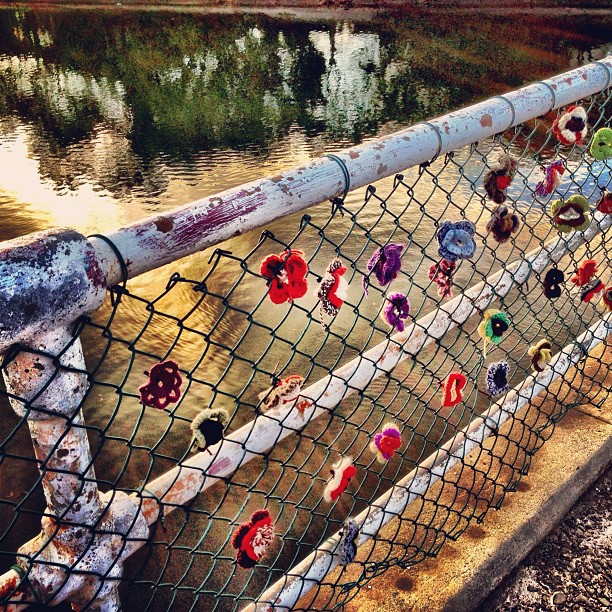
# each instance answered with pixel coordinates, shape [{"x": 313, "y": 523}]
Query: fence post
[{"x": 46, "y": 283}]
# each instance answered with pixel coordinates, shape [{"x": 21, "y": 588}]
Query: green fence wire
[{"x": 211, "y": 314}]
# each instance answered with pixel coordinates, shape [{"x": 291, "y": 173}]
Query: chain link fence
[{"x": 215, "y": 316}]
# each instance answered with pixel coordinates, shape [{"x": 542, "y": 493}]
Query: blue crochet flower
[{"x": 456, "y": 240}]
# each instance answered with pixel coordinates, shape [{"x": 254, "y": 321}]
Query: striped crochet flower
[
  {"x": 252, "y": 539},
  {"x": 552, "y": 178},
  {"x": 347, "y": 548}
]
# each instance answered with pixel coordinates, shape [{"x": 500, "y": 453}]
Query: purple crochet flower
[
  {"x": 456, "y": 240},
  {"x": 396, "y": 311},
  {"x": 385, "y": 263}
]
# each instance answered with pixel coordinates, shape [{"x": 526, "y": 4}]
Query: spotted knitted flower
[
  {"x": 396, "y": 311},
  {"x": 606, "y": 298},
  {"x": 283, "y": 391},
  {"x": 163, "y": 386},
  {"x": 571, "y": 127},
  {"x": 493, "y": 326},
  {"x": 286, "y": 276},
  {"x": 540, "y": 354},
  {"x": 552, "y": 178},
  {"x": 572, "y": 214},
  {"x": 552, "y": 283},
  {"x": 441, "y": 273},
  {"x": 601, "y": 145},
  {"x": 503, "y": 224},
  {"x": 347, "y": 548},
  {"x": 497, "y": 378},
  {"x": 252, "y": 539},
  {"x": 591, "y": 289},
  {"x": 586, "y": 271},
  {"x": 453, "y": 384},
  {"x": 385, "y": 264},
  {"x": 456, "y": 240},
  {"x": 385, "y": 443},
  {"x": 333, "y": 289},
  {"x": 604, "y": 204},
  {"x": 497, "y": 180},
  {"x": 342, "y": 471}
]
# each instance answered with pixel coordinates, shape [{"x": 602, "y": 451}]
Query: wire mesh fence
[{"x": 260, "y": 330}]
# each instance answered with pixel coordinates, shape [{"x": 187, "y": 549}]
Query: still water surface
[{"x": 106, "y": 117}]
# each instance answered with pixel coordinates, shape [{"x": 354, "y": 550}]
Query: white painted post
[{"x": 46, "y": 280}]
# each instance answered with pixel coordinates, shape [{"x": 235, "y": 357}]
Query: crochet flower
[
  {"x": 333, "y": 289},
  {"x": 286, "y": 276},
  {"x": 281, "y": 392},
  {"x": 571, "y": 127},
  {"x": 163, "y": 386},
  {"x": 552, "y": 283},
  {"x": 386, "y": 443},
  {"x": 453, "y": 384},
  {"x": 586, "y": 271},
  {"x": 552, "y": 179},
  {"x": 208, "y": 428},
  {"x": 604, "y": 204},
  {"x": 601, "y": 145},
  {"x": 503, "y": 224},
  {"x": 606, "y": 298},
  {"x": 347, "y": 548},
  {"x": 540, "y": 354},
  {"x": 342, "y": 471},
  {"x": 252, "y": 539},
  {"x": 441, "y": 273},
  {"x": 571, "y": 215},
  {"x": 591, "y": 289},
  {"x": 497, "y": 378},
  {"x": 456, "y": 240},
  {"x": 493, "y": 326},
  {"x": 497, "y": 180},
  {"x": 385, "y": 264},
  {"x": 396, "y": 311}
]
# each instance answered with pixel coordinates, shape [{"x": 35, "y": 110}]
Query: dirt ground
[{"x": 572, "y": 568}]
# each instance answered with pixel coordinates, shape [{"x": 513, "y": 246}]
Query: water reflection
[{"x": 132, "y": 112}]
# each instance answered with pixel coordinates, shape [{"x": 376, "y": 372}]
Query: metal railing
[{"x": 74, "y": 333}]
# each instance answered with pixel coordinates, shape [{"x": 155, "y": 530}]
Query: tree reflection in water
[{"x": 115, "y": 98}]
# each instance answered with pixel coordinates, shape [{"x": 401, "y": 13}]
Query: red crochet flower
[
  {"x": 604, "y": 204},
  {"x": 453, "y": 385},
  {"x": 586, "y": 271},
  {"x": 286, "y": 274},
  {"x": 386, "y": 442},
  {"x": 342, "y": 471},
  {"x": 252, "y": 539},
  {"x": 164, "y": 386}
]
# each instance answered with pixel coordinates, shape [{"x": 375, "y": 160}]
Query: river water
[{"x": 110, "y": 116}]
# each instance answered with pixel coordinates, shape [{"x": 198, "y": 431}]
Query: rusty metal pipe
[{"x": 158, "y": 240}]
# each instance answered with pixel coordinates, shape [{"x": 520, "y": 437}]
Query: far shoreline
[{"x": 316, "y": 10}]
